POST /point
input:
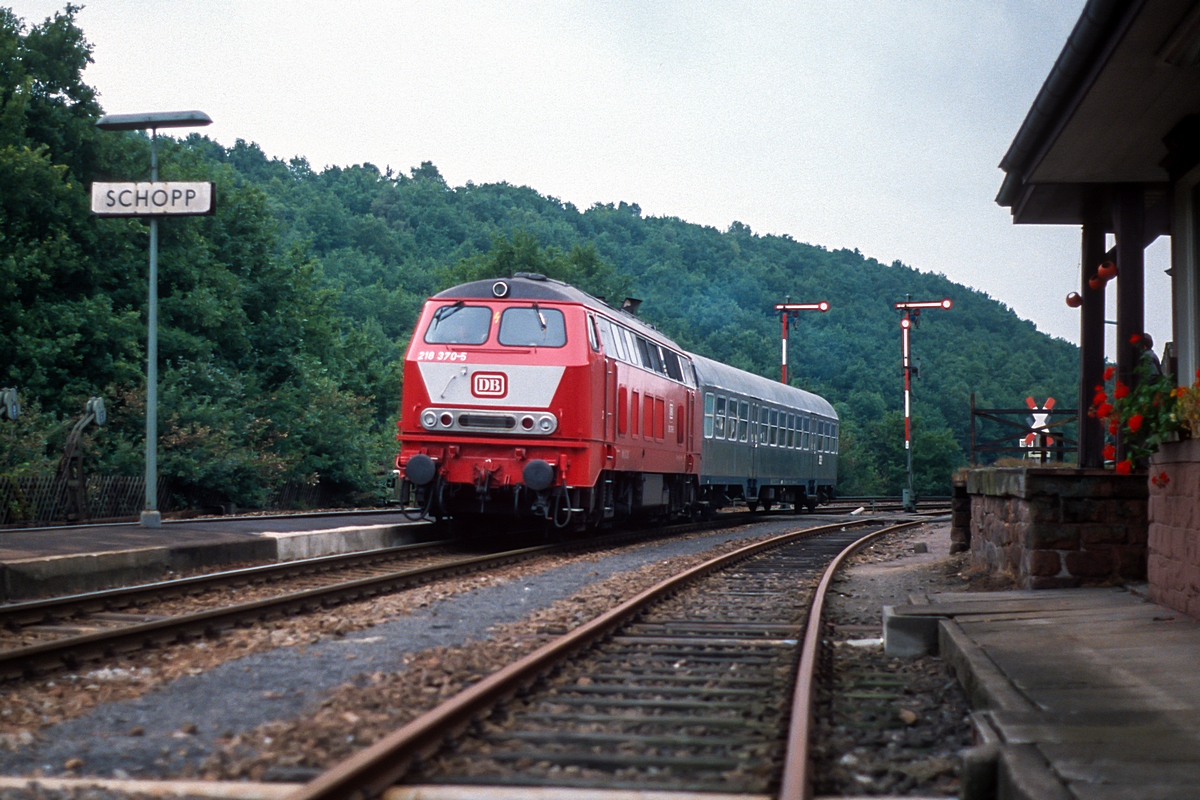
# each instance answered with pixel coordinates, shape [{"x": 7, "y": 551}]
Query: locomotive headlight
[
  {"x": 447, "y": 419},
  {"x": 527, "y": 423},
  {"x": 546, "y": 424},
  {"x": 429, "y": 419}
]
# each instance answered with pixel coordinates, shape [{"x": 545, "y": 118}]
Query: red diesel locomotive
[{"x": 525, "y": 397}]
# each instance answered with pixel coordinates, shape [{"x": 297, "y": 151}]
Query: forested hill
[{"x": 284, "y": 316}]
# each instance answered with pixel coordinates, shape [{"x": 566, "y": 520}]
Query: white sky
[{"x": 874, "y": 125}]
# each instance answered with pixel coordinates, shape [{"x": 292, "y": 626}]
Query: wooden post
[
  {"x": 1130, "y": 222},
  {"x": 1091, "y": 344}
]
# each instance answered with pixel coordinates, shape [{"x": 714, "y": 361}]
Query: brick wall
[
  {"x": 1056, "y": 528},
  {"x": 1173, "y": 571}
]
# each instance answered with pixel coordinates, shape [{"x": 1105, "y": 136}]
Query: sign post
[
  {"x": 787, "y": 312},
  {"x": 912, "y": 315},
  {"x": 160, "y": 199}
]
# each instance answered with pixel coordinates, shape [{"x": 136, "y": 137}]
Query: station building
[{"x": 1112, "y": 145}]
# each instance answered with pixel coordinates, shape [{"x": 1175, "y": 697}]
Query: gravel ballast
[{"x": 208, "y": 709}]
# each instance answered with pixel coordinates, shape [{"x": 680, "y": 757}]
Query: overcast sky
[{"x": 868, "y": 125}]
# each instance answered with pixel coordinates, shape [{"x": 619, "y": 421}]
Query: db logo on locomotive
[{"x": 489, "y": 384}]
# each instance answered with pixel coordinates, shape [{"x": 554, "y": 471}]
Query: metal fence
[
  {"x": 43, "y": 498},
  {"x": 1008, "y": 431}
]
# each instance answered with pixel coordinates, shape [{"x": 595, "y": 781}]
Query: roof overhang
[{"x": 1120, "y": 106}]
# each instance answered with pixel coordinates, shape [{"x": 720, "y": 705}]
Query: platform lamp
[
  {"x": 152, "y": 122},
  {"x": 788, "y": 312},
  {"x": 912, "y": 315}
]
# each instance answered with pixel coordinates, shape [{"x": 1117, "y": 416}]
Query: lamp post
[
  {"x": 152, "y": 122},
  {"x": 912, "y": 315},
  {"x": 787, "y": 312}
]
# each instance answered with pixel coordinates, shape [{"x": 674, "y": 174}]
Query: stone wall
[
  {"x": 1056, "y": 528},
  {"x": 1174, "y": 565}
]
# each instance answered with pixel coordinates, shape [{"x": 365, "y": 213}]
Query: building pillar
[
  {"x": 1091, "y": 344},
  {"x": 1129, "y": 218}
]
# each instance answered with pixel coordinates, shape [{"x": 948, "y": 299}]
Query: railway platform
[
  {"x": 38, "y": 562},
  {"x": 1080, "y": 694}
]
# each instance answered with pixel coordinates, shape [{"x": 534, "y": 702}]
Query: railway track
[
  {"x": 100, "y": 625},
  {"x": 683, "y": 688}
]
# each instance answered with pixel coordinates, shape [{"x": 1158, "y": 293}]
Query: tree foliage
[{"x": 285, "y": 315}]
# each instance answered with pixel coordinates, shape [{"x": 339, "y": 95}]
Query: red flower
[
  {"x": 1108, "y": 373},
  {"x": 1124, "y": 467},
  {"x": 1109, "y": 452},
  {"x": 1120, "y": 391},
  {"x": 1103, "y": 410},
  {"x": 1114, "y": 427},
  {"x": 1134, "y": 423},
  {"x": 1099, "y": 398},
  {"x": 1137, "y": 337}
]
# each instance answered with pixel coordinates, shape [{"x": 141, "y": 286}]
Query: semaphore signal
[
  {"x": 912, "y": 315},
  {"x": 787, "y": 312}
]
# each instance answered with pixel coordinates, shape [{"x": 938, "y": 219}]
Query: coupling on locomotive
[{"x": 527, "y": 398}]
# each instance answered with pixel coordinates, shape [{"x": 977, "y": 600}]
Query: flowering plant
[{"x": 1147, "y": 414}]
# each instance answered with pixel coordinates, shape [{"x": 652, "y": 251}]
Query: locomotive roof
[
  {"x": 529, "y": 286},
  {"x": 722, "y": 376}
]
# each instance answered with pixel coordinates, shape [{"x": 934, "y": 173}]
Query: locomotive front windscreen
[
  {"x": 459, "y": 324},
  {"x": 533, "y": 327}
]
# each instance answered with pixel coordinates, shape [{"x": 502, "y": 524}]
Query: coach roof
[{"x": 713, "y": 375}]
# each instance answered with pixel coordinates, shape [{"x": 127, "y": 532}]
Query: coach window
[
  {"x": 459, "y": 324},
  {"x": 791, "y": 430},
  {"x": 774, "y": 428},
  {"x": 731, "y": 426},
  {"x": 764, "y": 424},
  {"x": 743, "y": 420},
  {"x": 835, "y": 439},
  {"x": 719, "y": 422},
  {"x": 532, "y": 327},
  {"x": 804, "y": 436},
  {"x": 709, "y": 405}
]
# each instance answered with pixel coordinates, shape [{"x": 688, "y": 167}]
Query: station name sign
[{"x": 170, "y": 199}]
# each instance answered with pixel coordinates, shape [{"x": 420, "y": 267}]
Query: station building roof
[{"x": 1120, "y": 106}]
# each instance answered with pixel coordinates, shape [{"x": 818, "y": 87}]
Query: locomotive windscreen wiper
[
  {"x": 541, "y": 319},
  {"x": 445, "y": 311}
]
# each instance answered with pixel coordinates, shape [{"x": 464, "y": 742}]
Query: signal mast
[{"x": 912, "y": 316}]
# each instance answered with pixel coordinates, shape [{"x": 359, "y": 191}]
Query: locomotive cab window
[
  {"x": 671, "y": 361},
  {"x": 532, "y": 327},
  {"x": 459, "y": 324}
]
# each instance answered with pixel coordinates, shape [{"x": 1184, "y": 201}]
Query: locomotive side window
[
  {"x": 743, "y": 420},
  {"x": 656, "y": 362},
  {"x": 532, "y": 327},
  {"x": 592, "y": 340},
  {"x": 719, "y": 421},
  {"x": 606, "y": 337},
  {"x": 709, "y": 406},
  {"x": 459, "y": 324},
  {"x": 672, "y": 363}
]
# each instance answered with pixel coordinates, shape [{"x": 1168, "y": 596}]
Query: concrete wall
[
  {"x": 1057, "y": 528},
  {"x": 1174, "y": 565}
]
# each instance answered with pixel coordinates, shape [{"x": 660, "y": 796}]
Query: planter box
[
  {"x": 1057, "y": 528},
  {"x": 1173, "y": 570}
]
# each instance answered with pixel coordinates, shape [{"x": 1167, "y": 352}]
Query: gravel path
[
  {"x": 889, "y": 726},
  {"x": 177, "y": 727}
]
